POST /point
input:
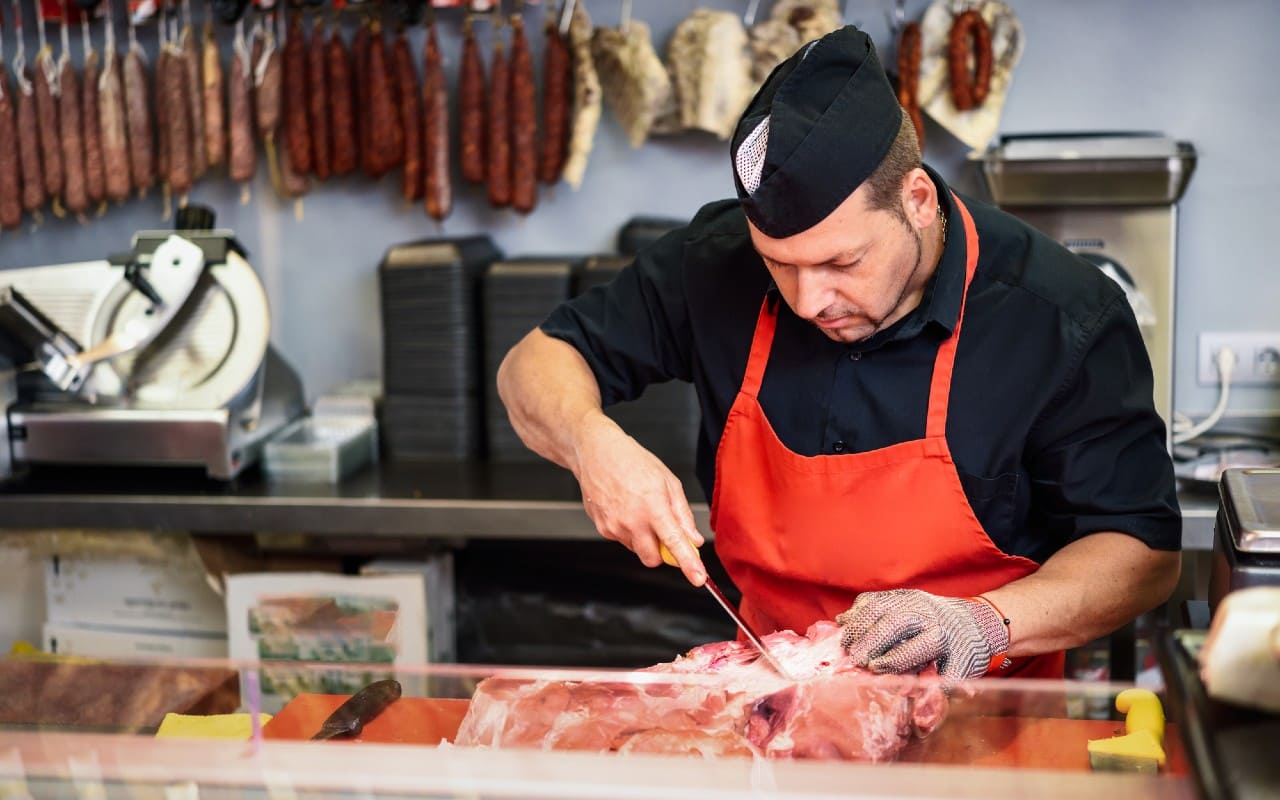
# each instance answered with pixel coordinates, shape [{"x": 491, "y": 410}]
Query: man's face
[{"x": 850, "y": 274}]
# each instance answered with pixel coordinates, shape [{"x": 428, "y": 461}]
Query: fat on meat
[
  {"x": 725, "y": 702},
  {"x": 710, "y": 65},
  {"x": 587, "y": 99},
  {"x": 635, "y": 83},
  {"x": 791, "y": 23}
]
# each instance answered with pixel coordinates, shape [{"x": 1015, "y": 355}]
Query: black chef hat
[{"x": 822, "y": 122}]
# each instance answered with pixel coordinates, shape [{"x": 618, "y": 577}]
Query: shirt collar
[{"x": 940, "y": 305}]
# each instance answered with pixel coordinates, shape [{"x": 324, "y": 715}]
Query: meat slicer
[{"x": 158, "y": 357}]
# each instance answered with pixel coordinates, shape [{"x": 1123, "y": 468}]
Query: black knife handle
[{"x": 350, "y": 718}]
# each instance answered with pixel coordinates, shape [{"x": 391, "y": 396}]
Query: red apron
[{"x": 802, "y": 536}]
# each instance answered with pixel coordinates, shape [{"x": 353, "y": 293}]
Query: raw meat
[
  {"x": 635, "y": 83},
  {"x": 791, "y": 23},
  {"x": 710, "y": 66},
  {"x": 587, "y": 98},
  {"x": 725, "y": 702},
  {"x": 812, "y": 19}
]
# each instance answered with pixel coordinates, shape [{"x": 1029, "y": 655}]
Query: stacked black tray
[
  {"x": 431, "y": 348},
  {"x": 665, "y": 418},
  {"x": 641, "y": 232},
  {"x": 517, "y": 296}
]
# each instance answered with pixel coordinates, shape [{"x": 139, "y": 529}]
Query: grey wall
[{"x": 1194, "y": 70}]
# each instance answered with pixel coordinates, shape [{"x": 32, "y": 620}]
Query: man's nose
[{"x": 813, "y": 295}]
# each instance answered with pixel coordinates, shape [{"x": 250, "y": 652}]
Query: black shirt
[{"x": 1051, "y": 423}]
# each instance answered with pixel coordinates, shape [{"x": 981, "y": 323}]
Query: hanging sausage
[
  {"x": 498, "y": 127},
  {"x": 969, "y": 60},
  {"x": 346, "y": 152},
  {"x": 70, "y": 130},
  {"x": 386, "y": 131},
  {"x": 909, "y": 50},
  {"x": 435, "y": 121},
  {"x": 524, "y": 122},
  {"x": 471, "y": 107},
  {"x": 212, "y": 91},
  {"x": 193, "y": 93},
  {"x": 94, "y": 179},
  {"x": 142, "y": 161},
  {"x": 46, "y": 88},
  {"x": 10, "y": 171},
  {"x": 407, "y": 96},
  {"x": 26, "y": 119},
  {"x": 557, "y": 77},
  {"x": 318, "y": 102},
  {"x": 242, "y": 159},
  {"x": 297, "y": 97}
]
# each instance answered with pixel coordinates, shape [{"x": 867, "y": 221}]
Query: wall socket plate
[{"x": 1257, "y": 358}]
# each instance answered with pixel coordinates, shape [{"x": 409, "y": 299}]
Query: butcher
[{"x": 920, "y": 417}]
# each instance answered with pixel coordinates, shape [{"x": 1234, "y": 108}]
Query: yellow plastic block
[
  {"x": 1141, "y": 749},
  {"x": 212, "y": 726}
]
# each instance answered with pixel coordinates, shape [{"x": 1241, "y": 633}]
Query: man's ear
[{"x": 919, "y": 198}]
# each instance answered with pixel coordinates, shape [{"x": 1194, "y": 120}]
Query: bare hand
[{"x": 634, "y": 500}]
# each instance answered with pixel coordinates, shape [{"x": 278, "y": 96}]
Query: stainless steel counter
[
  {"x": 428, "y": 500},
  {"x": 422, "y": 500}
]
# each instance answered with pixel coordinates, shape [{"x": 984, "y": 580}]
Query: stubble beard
[{"x": 882, "y": 322}]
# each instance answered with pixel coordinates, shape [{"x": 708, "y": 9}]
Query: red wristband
[{"x": 999, "y": 660}]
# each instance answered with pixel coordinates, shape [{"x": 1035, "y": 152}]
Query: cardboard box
[
  {"x": 130, "y": 644},
  {"x": 366, "y": 626},
  {"x": 133, "y": 593},
  {"x": 440, "y": 614}
]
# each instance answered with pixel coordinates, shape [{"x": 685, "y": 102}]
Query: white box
[
  {"x": 285, "y": 620},
  {"x": 134, "y": 593},
  {"x": 441, "y": 612},
  {"x": 130, "y": 644},
  {"x": 21, "y": 597}
]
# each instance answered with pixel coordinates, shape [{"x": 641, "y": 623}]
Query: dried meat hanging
[
  {"x": 94, "y": 175},
  {"x": 438, "y": 187},
  {"x": 137, "y": 92},
  {"x": 471, "y": 106},
  {"x": 10, "y": 168},
  {"x": 557, "y": 86},
  {"x": 524, "y": 120},
  {"x": 969, "y": 59}
]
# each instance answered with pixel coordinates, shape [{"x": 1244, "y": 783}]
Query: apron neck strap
[
  {"x": 944, "y": 364},
  {"x": 761, "y": 344}
]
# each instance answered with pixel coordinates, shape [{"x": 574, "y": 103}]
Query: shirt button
[
  {"x": 838, "y": 447},
  {"x": 855, "y": 356}
]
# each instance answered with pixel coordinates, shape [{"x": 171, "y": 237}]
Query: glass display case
[{"x": 81, "y": 728}]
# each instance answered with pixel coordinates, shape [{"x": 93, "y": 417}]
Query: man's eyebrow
[
  {"x": 843, "y": 257},
  {"x": 846, "y": 256}
]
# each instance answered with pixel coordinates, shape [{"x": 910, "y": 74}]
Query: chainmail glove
[{"x": 903, "y": 630}]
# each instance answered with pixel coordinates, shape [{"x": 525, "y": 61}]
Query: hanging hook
[
  {"x": 897, "y": 18},
  {"x": 566, "y": 16},
  {"x": 749, "y": 17},
  {"x": 847, "y": 13}
]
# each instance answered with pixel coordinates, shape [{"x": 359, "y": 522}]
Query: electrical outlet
[{"x": 1257, "y": 358}]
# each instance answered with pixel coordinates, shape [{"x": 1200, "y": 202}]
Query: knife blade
[
  {"x": 349, "y": 719},
  {"x": 743, "y": 625}
]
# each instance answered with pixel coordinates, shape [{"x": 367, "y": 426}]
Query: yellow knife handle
[
  {"x": 1142, "y": 711},
  {"x": 667, "y": 557}
]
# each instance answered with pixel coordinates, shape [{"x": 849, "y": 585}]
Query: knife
[
  {"x": 350, "y": 717},
  {"x": 737, "y": 618}
]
